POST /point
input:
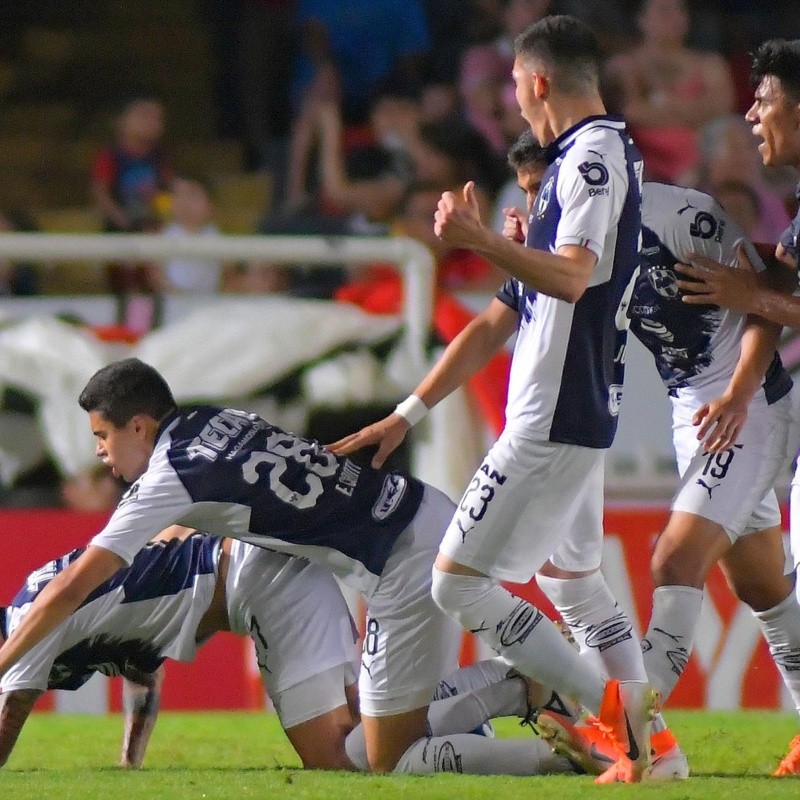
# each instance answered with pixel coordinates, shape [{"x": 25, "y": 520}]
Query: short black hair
[
  {"x": 3, "y": 622},
  {"x": 526, "y": 152},
  {"x": 126, "y": 388},
  {"x": 780, "y": 58},
  {"x": 567, "y": 48}
]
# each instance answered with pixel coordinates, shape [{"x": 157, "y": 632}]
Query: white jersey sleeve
[{"x": 591, "y": 190}]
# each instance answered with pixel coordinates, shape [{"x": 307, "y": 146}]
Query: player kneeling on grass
[
  {"x": 177, "y": 594},
  {"x": 232, "y": 473}
]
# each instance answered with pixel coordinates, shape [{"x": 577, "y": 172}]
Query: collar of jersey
[{"x": 559, "y": 145}]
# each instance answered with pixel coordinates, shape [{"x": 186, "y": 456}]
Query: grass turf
[{"x": 242, "y": 755}]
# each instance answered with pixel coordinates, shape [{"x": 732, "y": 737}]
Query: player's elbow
[{"x": 572, "y": 291}]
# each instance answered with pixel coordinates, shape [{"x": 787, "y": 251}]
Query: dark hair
[
  {"x": 526, "y": 152},
  {"x": 468, "y": 148},
  {"x": 3, "y": 623},
  {"x": 568, "y": 50},
  {"x": 780, "y": 58},
  {"x": 126, "y": 388}
]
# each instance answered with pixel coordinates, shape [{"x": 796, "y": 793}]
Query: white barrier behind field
[{"x": 640, "y": 463}]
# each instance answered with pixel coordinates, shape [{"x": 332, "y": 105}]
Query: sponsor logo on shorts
[
  {"x": 708, "y": 487},
  {"x": 519, "y": 624},
  {"x": 614, "y": 398},
  {"x": 394, "y": 487}
]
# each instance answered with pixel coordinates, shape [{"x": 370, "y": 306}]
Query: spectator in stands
[
  {"x": 128, "y": 177},
  {"x": 485, "y": 74},
  {"x": 729, "y": 154},
  {"x": 192, "y": 214},
  {"x": 438, "y": 153},
  {"x": 266, "y": 51},
  {"x": 17, "y": 277},
  {"x": 668, "y": 91},
  {"x": 353, "y": 45}
]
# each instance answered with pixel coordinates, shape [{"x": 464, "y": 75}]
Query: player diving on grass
[
  {"x": 231, "y": 473},
  {"x": 180, "y": 592}
]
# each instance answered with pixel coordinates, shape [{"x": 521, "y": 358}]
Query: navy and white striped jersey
[
  {"x": 790, "y": 238},
  {"x": 695, "y": 347},
  {"x": 143, "y": 614},
  {"x": 567, "y": 370},
  {"x": 231, "y": 473}
]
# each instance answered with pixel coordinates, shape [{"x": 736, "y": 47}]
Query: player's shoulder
[{"x": 662, "y": 200}]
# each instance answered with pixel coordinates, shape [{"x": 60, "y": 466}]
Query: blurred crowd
[{"x": 363, "y": 111}]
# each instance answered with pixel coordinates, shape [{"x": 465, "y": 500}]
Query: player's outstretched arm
[
  {"x": 740, "y": 289},
  {"x": 58, "y": 600},
  {"x": 141, "y": 697},
  {"x": 471, "y": 350},
  {"x": 15, "y": 707},
  {"x": 563, "y": 275}
]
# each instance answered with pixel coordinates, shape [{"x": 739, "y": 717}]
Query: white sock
[
  {"x": 602, "y": 630},
  {"x": 781, "y": 628},
  {"x": 520, "y": 633},
  {"x": 668, "y": 642},
  {"x": 467, "y": 698},
  {"x": 477, "y": 755},
  {"x": 355, "y": 745}
]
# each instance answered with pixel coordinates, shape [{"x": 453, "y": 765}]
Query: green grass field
[{"x": 214, "y": 756}]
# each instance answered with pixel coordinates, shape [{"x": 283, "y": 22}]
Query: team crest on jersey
[
  {"x": 131, "y": 494},
  {"x": 543, "y": 198},
  {"x": 394, "y": 487},
  {"x": 614, "y": 398},
  {"x": 664, "y": 281}
]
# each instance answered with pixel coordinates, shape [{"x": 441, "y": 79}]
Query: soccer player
[
  {"x": 697, "y": 351},
  {"x": 775, "y": 116},
  {"x": 177, "y": 594},
  {"x": 536, "y": 502},
  {"x": 174, "y": 597},
  {"x": 233, "y": 474}
]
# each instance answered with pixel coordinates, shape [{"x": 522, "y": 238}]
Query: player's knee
[
  {"x": 672, "y": 566},
  {"x": 456, "y": 593}
]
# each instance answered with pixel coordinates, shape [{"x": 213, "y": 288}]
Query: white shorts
[
  {"x": 314, "y": 696},
  {"x": 409, "y": 643},
  {"x": 733, "y": 488},
  {"x": 530, "y": 500},
  {"x": 303, "y": 633}
]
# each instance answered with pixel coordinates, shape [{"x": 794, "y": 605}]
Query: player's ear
[{"x": 541, "y": 86}]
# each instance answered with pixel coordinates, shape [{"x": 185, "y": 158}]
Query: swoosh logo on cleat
[
  {"x": 598, "y": 756},
  {"x": 633, "y": 747}
]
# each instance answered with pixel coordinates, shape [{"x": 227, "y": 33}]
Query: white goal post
[{"x": 413, "y": 260}]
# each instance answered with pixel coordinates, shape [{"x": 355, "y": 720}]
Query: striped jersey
[
  {"x": 567, "y": 369},
  {"x": 231, "y": 473},
  {"x": 696, "y": 348}
]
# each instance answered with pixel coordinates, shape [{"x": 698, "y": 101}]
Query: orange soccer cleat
[{"x": 791, "y": 761}]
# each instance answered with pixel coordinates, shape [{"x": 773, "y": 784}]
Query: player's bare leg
[{"x": 388, "y": 738}]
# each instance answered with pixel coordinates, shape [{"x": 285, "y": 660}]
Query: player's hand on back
[
  {"x": 387, "y": 433},
  {"x": 710, "y": 283}
]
